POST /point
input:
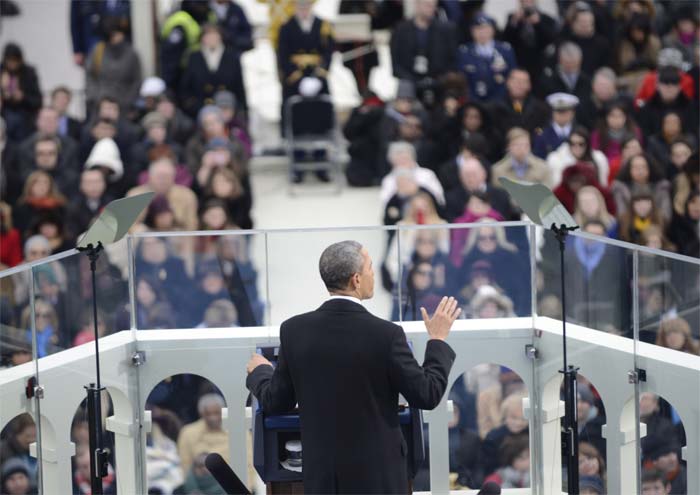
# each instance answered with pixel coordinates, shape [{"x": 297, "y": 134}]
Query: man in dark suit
[
  {"x": 345, "y": 369},
  {"x": 519, "y": 107}
]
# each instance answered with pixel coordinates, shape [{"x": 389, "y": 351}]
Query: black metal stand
[
  {"x": 569, "y": 429},
  {"x": 99, "y": 455}
]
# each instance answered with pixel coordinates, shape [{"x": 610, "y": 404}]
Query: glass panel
[
  {"x": 200, "y": 281},
  {"x": 487, "y": 268},
  {"x": 295, "y": 283},
  {"x": 18, "y": 415}
]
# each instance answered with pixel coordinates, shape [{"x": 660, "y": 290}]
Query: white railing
[{"x": 220, "y": 356}]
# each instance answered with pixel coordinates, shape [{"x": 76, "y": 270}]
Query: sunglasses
[
  {"x": 486, "y": 238},
  {"x": 43, "y": 315},
  {"x": 581, "y": 144}
]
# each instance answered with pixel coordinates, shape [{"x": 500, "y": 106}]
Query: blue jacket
[
  {"x": 86, "y": 18},
  {"x": 486, "y": 76},
  {"x": 546, "y": 142}
]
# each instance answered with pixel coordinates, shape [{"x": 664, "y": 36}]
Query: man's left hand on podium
[{"x": 256, "y": 361}]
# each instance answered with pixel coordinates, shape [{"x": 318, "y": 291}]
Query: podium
[{"x": 272, "y": 432}]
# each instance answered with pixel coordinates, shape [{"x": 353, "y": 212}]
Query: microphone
[
  {"x": 224, "y": 475},
  {"x": 490, "y": 488}
]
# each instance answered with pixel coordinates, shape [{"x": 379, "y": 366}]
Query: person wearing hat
[
  {"x": 155, "y": 124},
  {"x": 486, "y": 62},
  {"x": 14, "y": 477},
  {"x": 214, "y": 67},
  {"x": 563, "y": 107},
  {"x": 423, "y": 48},
  {"x": 20, "y": 93},
  {"x": 105, "y": 156},
  {"x": 668, "y": 57},
  {"x": 236, "y": 125},
  {"x": 668, "y": 97}
]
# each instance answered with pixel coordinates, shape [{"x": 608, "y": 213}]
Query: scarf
[
  {"x": 44, "y": 203},
  {"x": 589, "y": 254},
  {"x": 213, "y": 57}
]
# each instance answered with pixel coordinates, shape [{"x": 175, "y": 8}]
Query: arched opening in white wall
[
  {"x": 187, "y": 414},
  {"x": 488, "y": 431},
  {"x": 592, "y": 445},
  {"x": 18, "y": 469},
  {"x": 80, "y": 436},
  {"x": 662, "y": 447}
]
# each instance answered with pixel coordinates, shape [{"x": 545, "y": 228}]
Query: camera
[{"x": 528, "y": 11}]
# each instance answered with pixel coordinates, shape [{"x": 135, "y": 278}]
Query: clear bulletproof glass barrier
[
  {"x": 295, "y": 283},
  {"x": 669, "y": 331},
  {"x": 19, "y": 416},
  {"x": 200, "y": 281},
  {"x": 599, "y": 293}
]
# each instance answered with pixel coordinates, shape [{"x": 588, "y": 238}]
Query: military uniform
[
  {"x": 550, "y": 138},
  {"x": 486, "y": 69}
]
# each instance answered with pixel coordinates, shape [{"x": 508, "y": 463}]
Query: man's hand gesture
[{"x": 445, "y": 315}]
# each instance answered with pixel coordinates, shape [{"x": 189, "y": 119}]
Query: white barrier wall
[{"x": 220, "y": 355}]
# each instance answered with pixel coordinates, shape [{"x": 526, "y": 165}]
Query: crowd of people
[{"x": 599, "y": 103}]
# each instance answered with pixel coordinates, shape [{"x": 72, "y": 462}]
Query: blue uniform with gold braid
[{"x": 487, "y": 70}]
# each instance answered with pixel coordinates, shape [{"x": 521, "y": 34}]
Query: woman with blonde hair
[
  {"x": 590, "y": 205},
  {"x": 509, "y": 269},
  {"x": 39, "y": 195},
  {"x": 420, "y": 210},
  {"x": 591, "y": 462},
  {"x": 674, "y": 333},
  {"x": 47, "y": 331}
]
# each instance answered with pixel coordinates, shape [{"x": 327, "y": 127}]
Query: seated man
[
  {"x": 519, "y": 163},
  {"x": 206, "y": 435},
  {"x": 519, "y": 107}
]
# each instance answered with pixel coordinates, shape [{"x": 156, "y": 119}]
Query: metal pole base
[
  {"x": 99, "y": 456},
  {"x": 569, "y": 429}
]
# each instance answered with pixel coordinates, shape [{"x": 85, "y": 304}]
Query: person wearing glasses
[{"x": 576, "y": 149}]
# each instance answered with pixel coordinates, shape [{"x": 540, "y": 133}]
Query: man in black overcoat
[{"x": 345, "y": 368}]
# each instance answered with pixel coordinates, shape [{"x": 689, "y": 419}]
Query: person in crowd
[
  {"x": 86, "y": 331},
  {"x": 241, "y": 279},
  {"x": 642, "y": 174},
  {"x": 598, "y": 297},
  {"x": 655, "y": 483},
  {"x": 205, "y": 435},
  {"x": 113, "y": 69},
  {"x": 48, "y": 333},
  {"x": 106, "y": 158},
  {"x": 161, "y": 180},
  {"x": 574, "y": 178},
  {"x": 210, "y": 120},
  {"x": 685, "y": 181},
  {"x": 363, "y": 130},
  {"x": 513, "y": 425},
  {"x": 234, "y": 121},
  {"x": 591, "y": 463},
  {"x": 478, "y": 206},
  {"x": 52, "y": 226},
  {"x": 670, "y": 60},
  {"x": 631, "y": 146},
  {"x": 671, "y": 132},
  {"x": 636, "y": 52},
  {"x": 47, "y": 124},
  {"x": 109, "y": 120},
  {"x": 88, "y": 20},
  {"x": 501, "y": 382},
  {"x": 472, "y": 146},
  {"x": 210, "y": 69},
  {"x": 529, "y": 31},
  {"x": 163, "y": 471},
  {"x": 402, "y": 156},
  {"x": 662, "y": 453},
  {"x": 641, "y": 213},
  {"x": 420, "y": 210},
  {"x": 563, "y": 107},
  {"x": 220, "y": 313},
  {"x": 519, "y": 107},
  {"x": 683, "y": 230},
  {"x": 81, "y": 475},
  {"x": 149, "y": 292},
  {"x": 179, "y": 37},
  {"x": 591, "y": 485},
  {"x": 489, "y": 243},
  {"x": 590, "y": 420},
  {"x": 224, "y": 185},
  {"x": 423, "y": 49},
  {"x": 486, "y": 62},
  {"x": 674, "y": 333},
  {"x": 407, "y": 188},
  {"x": 39, "y": 194},
  {"x": 155, "y": 125},
  {"x": 210, "y": 287},
  {"x": 615, "y": 125},
  {"x": 668, "y": 97},
  {"x": 590, "y": 205},
  {"x": 14, "y": 478},
  {"x": 220, "y": 153},
  {"x": 179, "y": 125},
  {"x": 577, "y": 149},
  {"x": 198, "y": 480},
  {"x": 580, "y": 29},
  {"x": 152, "y": 88},
  {"x": 654, "y": 237},
  {"x": 304, "y": 54},
  {"x": 567, "y": 76},
  {"x": 519, "y": 163},
  {"x": 10, "y": 238},
  {"x": 473, "y": 119},
  {"x": 213, "y": 216},
  {"x": 19, "y": 433},
  {"x": 160, "y": 217},
  {"x": 658, "y": 424},
  {"x": 489, "y": 302},
  {"x": 604, "y": 91},
  {"x": 47, "y": 158},
  {"x": 20, "y": 93},
  {"x": 514, "y": 464},
  {"x": 233, "y": 23},
  {"x": 61, "y": 98},
  {"x": 683, "y": 33}
]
